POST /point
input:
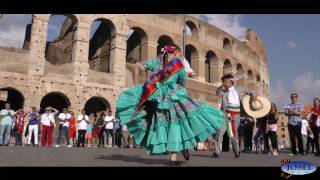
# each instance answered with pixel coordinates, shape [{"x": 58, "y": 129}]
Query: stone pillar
[
  {"x": 38, "y": 44},
  {"x": 80, "y": 53},
  {"x": 216, "y": 72},
  {"x": 149, "y": 51},
  {"x": 118, "y": 59}
]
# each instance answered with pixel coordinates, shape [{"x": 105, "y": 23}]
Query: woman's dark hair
[
  {"x": 227, "y": 76},
  {"x": 275, "y": 107},
  {"x": 314, "y": 102}
]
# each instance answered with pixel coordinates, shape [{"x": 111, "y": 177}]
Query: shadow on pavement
[{"x": 135, "y": 159}]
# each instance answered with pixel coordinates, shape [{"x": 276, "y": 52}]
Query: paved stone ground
[{"x": 63, "y": 156}]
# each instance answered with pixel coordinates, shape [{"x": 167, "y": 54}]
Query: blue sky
[{"x": 292, "y": 43}]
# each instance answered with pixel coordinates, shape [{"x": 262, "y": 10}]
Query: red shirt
[{"x": 313, "y": 117}]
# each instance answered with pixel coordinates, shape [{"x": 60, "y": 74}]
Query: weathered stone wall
[{"x": 28, "y": 71}]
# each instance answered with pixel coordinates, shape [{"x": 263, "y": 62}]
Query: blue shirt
[
  {"x": 295, "y": 119},
  {"x": 7, "y": 120},
  {"x": 32, "y": 118}
]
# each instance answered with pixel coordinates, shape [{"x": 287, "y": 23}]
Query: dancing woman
[{"x": 160, "y": 114}]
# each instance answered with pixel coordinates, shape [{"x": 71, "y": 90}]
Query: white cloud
[
  {"x": 305, "y": 85},
  {"x": 292, "y": 44},
  {"x": 12, "y": 29},
  {"x": 226, "y": 22}
]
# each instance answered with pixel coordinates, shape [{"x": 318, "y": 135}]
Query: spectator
[
  {"x": 261, "y": 124},
  {"x": 97, "y": 132},
  {"x": 109, "y": 122},
  {"x": 272, "y": 129},
  {"x": 89, "y": 130},
  {"x": 294, "y": 111},
  {"x": 72, "y": 128},
  {"x": 48, "y": 123},
  {"x": 247, "y": 133},
  {"x": 64, "y": 119},
  {"x": 6, "y": 120},
  {"x": 33, "y": 126},
  {"x": 305, "y": 130},
  {"x": 83, "y": 119},
  {"x": 315, "y": 123},
  {"x": 18, "y": 126},
  {"x": 117, "y": 134},
  {"x": 126, "y": 141}
]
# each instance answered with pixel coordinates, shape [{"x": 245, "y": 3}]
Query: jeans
[
  {"x": 273, "y": 137},
  {"x": 304, "y": 138},
  {"x": 81, "y": 137},
  {"x": 117, "y": 137},
  {"x": 63, "y": 130},
  {"x": 295, "y": 132},
  {"x": 262, "y": 132},
  {"x": 18, "y": 139},
  {"x": 315, "y": 131},
  {"x": 5, "y": 134}
]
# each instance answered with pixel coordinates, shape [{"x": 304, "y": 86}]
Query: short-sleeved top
[
  {"x": 33, "y": 118},
  {"x": 109, "y": 122},
  {"x": 82, "y": 124},
  {"x": 313, "y": 118},
  {"x": 295, "y": 119},
  {"x": 65, "y": 116},
  {"x": 7, "y": 120},
  {"x": 47, "y": 119}
]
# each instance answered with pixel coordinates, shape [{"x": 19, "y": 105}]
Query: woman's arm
[{"x": 148, "y": 65}]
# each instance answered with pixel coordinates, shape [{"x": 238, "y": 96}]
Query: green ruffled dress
[{"x": 170, "y": 121}]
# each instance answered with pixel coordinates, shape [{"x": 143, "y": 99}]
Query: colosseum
[{"x": 78, "y": 71}]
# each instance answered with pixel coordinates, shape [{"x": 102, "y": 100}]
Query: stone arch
[
  {"x": 211, "y": 58},
  {"x": 250, "y": 80},
  {"x": 193, "y": 29},
  {"x": 227, "y": 66},
  {"x": 60, "y": 38},
  {"x": 162, "y": 41},
  {"x": 55, "y": 99},
  {"x": 95, "y": 104},
  {"x": 14, "y": 97},
  {"x": 101, "y": 33},
  {"x": 241, "y": 73},
  {"x": 137, "y": 38},
  {"x": 16, "y": 21},
  {"x": 227, "y": 44}
]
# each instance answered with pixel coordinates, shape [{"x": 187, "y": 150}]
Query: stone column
[
  {"x": 149, "y": 51},
  {"x": 216, "y": 72},
  {"x": 38, "y": 44},
  {"x": 118, "y": 59},
  {"x": 80, "y": 53}
]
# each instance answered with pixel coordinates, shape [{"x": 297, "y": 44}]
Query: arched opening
[
  {"x": 16, "y": 30},
  {"x": 227, "y": 67},
  {"x": 137, "y": 50},
  {"x": 191, "y": 53},
  {"x": 56, "y": 100},
  {"x": 137, "y": 37},
  {"x": 14, "y": 97},
  {"x": 60, "y": 39},
  {"x": 211, "y": 58},
  {"x": 240, "y": 73},
  {"x": 96, "y": 104},
  {"x": 163, "y": 41},
  {"x": 192, "y": 29},
  {"x": 227, "y": 44},
  {"x": 250, "y": 80},
  {"x": 101, "y": 32}
]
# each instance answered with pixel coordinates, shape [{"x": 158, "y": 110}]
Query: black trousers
[
  {"x": 273, "y": 137},
  {"x": 315, "y": 131},
  {"x": 295, "y": 132},
  {"x": 81, "y": 137}
]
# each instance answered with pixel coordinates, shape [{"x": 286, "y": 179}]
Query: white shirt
[
  {"x": 186, "y": 65},
  {"x": 109, "y": 122},
  {"x": 66, "y": 117},
  {"x": 82, "y": 124},
  {"x": 47, "y": 118},
  {"x": 304, "y": 125},
  {"x": 233, "y": 97}
]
